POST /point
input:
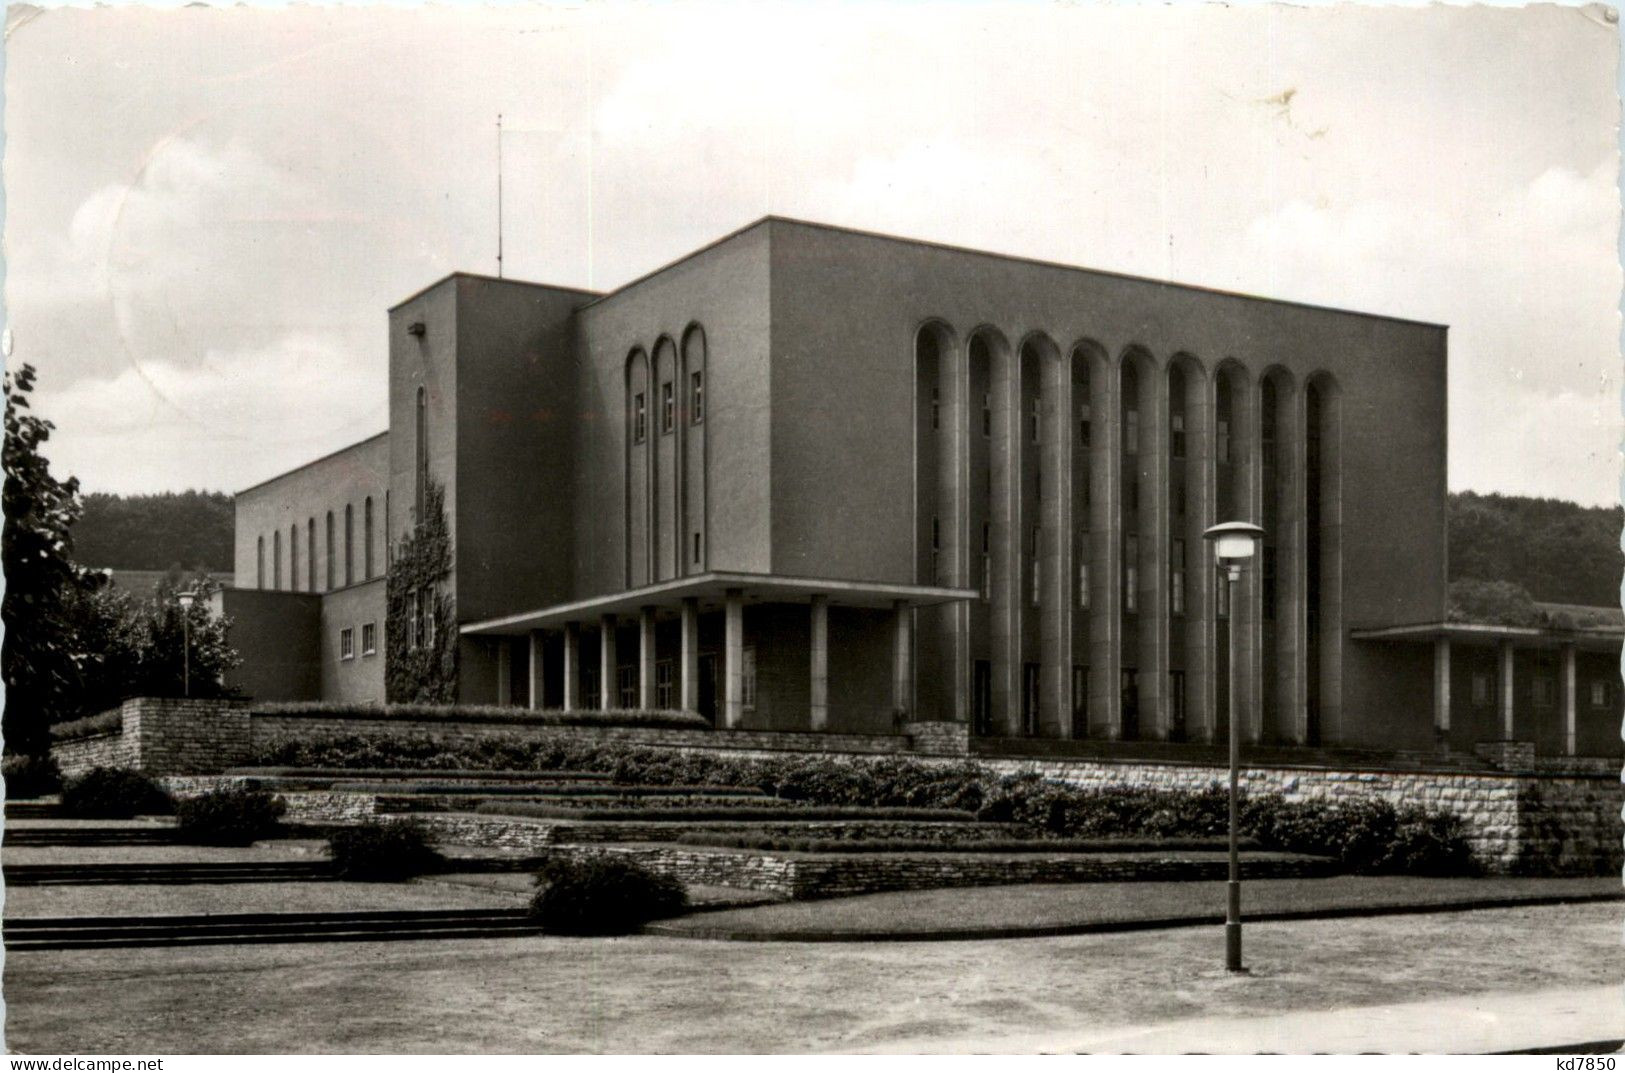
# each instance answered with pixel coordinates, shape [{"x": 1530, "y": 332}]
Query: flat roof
[
  {"x": 1600, "y": 638},
  {"x": 712, "y": 587},
  {"x": 458, "y": 274}
]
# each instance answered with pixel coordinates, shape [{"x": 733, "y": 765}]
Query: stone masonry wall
[
  {"x": 163, "y": 736},
  {"x": 113, "y": 749}
]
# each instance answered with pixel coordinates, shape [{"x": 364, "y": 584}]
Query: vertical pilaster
[
  {"x": 572, "y": 666},
  {"x": 1292, "y": 624},
  {"x": 901, "y": 676},
  {"x": 1247, "y": 607},
  {"x": 1508, "y": 724},
  {"x": 1441, "y": 689},
  {"x": 537, "y": 674},
  {"x": 1004, "y": 462},
  {"x": 689, "y": 672},
  {"x": 504, "y": 672},
  {"x": 733, "y": 645},
  {"x": 1571, "y": 699},
  {"x": 953, "y": 482},
  {"x": 818, "y": 649},
  {"x": 1154, "y": 524},
  {"x": 1056, "y": 623},
  {"x": 646, "y": 658},
  {"x": 608, "y": 687},
  {"x": 1105, "y": 552},
  {"x": 1201, "y": 489}
]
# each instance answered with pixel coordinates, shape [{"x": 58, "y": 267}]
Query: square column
[
  {"x": 572, "y": 666},
  {"x": 504, "y": 673},
  {"x": 818, "y": 648},
  {"x": 1441, "y": 690},
  {"x": 901, "y": 678},
  {"x": 1571, "y": 701},
  {"x": 537, "y": 679},
  {"x": 607, "y": 686},
  {"x": 733, "y": 657},
  {"x": 646, "y": 658},
  {"x": 1507, "y": 725},
  {"x": 689, "y": 671}
]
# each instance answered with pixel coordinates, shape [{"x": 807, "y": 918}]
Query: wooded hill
[{"x": 191, "y": 530}]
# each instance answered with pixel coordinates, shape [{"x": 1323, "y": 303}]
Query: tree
[
  {"x": 141, "y": 648},
  {"x": 42, "y": 659}
]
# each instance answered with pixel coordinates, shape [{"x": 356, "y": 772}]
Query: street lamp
[
  {"x": 1233, "y": 544},
  {"x": 186, "y": 599}
]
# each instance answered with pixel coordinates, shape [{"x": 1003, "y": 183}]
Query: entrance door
[
  {"x": 708, "y": 686},
  {"x": 981, "y": 698},
  {"x": 1131, "y": 704}
]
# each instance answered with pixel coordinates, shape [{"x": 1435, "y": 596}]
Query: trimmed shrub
[
  {"x": 603, "y": 897},
  {"x": 108, "y": 722},
  {"x": 491, "y": 713},
  {"x": 238, "y": 816},
  {"x": 30, "y": 776},
  {"x": 827, "y": 844},
  {"x": 110, "y": 793},
  {"x": 386, "y": 850},
  {"x": 679, "y": 809}
]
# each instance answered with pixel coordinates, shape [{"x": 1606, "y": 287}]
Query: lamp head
[
  {"x": 1234, "y": 542},
  {"x": 186, "y": 599}
]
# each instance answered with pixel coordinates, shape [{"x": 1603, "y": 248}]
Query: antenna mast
[{"x": 499, "y": 195}]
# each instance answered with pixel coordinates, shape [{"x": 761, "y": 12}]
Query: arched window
[
  {"x": 332, "y": 559},
  {"x": 349, "y": 543},
  {"x": 293, "y": 557},
  {"x": 310, "y": 553},
  {"x": 259, "y": 562},
  {"x": 422, "y": 451},
  {"x": 366, "y": 540},
  {"x": 276, "y": 559}
]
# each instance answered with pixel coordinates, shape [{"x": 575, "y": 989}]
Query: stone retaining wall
[
  {"x": 112, "y": 749},
  {"x": 164, "y": 736}
]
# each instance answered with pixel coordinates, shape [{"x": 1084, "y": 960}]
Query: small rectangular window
[
  {"x": 696, "y": 398},
  {"x": 1033, "y": 557},
  {"x": 665, "y": 691},
  {"x": 1033, "y": 419},
  {"x": 1545, "y": 690},
  {"x": 936, "y": 409},
  {"x": 668, "y": 407},
  {"x": 626, "y": 681},
  {"x": 696, "y": 549},
  {"x": 1599, "y": 693},
  {"x": 1131, "y": 574},
  {"x": 369, "y": 639},
  {"x": 1176, "y": 703},
  {"x": 1483, "y": 689},
  {"x": 347, "y": 643},
  {"x": 1176, "y": 579},
  {"x": 1080, "y": 695},
  {"x": 747, "y": 677},
  {"x": 1221, "y": 597},
  {"x": 1131, "y": 491},
  {"x": 987, "y": 561},
  {"x": 1083, "y": 584},
  {"x": 936, "y": 550}
]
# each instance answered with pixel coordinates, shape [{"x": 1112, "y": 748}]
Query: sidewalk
[{"x": 1474, "y": 1024}]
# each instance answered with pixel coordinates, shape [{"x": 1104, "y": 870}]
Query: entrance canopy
[
  {"x": 711, "y": 590},
  {"x": 1588, "y": 638}
]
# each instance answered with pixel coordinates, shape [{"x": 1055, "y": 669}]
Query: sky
[{"x": 209, "y": 211}]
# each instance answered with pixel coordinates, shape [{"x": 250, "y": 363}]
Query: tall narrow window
[
  {"x": 366, "y": 540},
  {"x": 1029, "y": 698},
  {"x": 1177, "y": 425},
  {"x": 668, "y": 407},
  {"x": 293, "y": 557},
  {"x": 332, "y": 556},
  {"x": 276, "y": 559},
  {"x": 936, "y": 409},
  {"x": 1176, "y": 704},
  {"x": 1176, "y": 577},
  {"x": 1483, "y": 689},
  {"x": 259, "y": 562},
  {"x": 349, "y": 542},
  {"x": 347, "y": 643},
  {"x": 665, "y": 689},
  {"x": 310, "y": 554},
  {"x": 1221, "y": 598},
  {"x": 1080, "y": 696},
  {"x": 1131, "y": 574},
  {"x": 589, "y": 688},
  {"x": 1176, "y": 496},
  {"x": 626, "y": 685},
  {"x": 1083, "y": 424},
  {"x": 987, "y": 415},
  {"x": 987, "y": 561},
  {"x": 1268, "y": 577},
  {"x": 1083, "y": 583},
  {"x": 747, "y": 677},
  {"x": 1131, "y": 432},
  {"x": 423, "y": 453},
  {"x": 696, "y": 398},
  {"x": 640, "y": 417},
  {"x": 1222, "y": 444},
  {"x": 696, "y": 549},
  {"x": 1033, "y": 418},
  {"x": 1131, "y": 490},
  {"x": 1033, "y": 557}
]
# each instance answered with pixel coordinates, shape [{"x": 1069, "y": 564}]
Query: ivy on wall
[{"x": 420, "y": 633}]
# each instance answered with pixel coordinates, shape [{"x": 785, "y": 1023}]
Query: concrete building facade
[{"x": 812, "y": 478}]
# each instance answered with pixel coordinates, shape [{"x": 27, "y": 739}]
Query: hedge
[
  {"x": 108, "y": 722},
  {"x": 753, "y": 811},
  {"x": 489, "y": 713},
  {"x": 965, "y": 845}
]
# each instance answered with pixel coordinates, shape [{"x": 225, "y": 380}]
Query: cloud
[{"x": 274, "y": 406}]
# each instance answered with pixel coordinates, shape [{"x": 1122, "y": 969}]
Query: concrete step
[
  {"x": 65, "y": 933},
  {"x": 35, "y": 875}
]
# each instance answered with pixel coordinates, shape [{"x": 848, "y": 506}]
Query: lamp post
[
  {"x": 1233, "y": 544},
  {"x": 186, "y": 599}
]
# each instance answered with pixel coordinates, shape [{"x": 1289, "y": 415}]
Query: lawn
[
  {"x": 648, "y": 994},
  {"x": 1058, "y": 907},
  {"x": 160, "y": 899}
]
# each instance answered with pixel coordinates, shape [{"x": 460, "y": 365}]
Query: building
[{"x": 812, "y": 478}]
